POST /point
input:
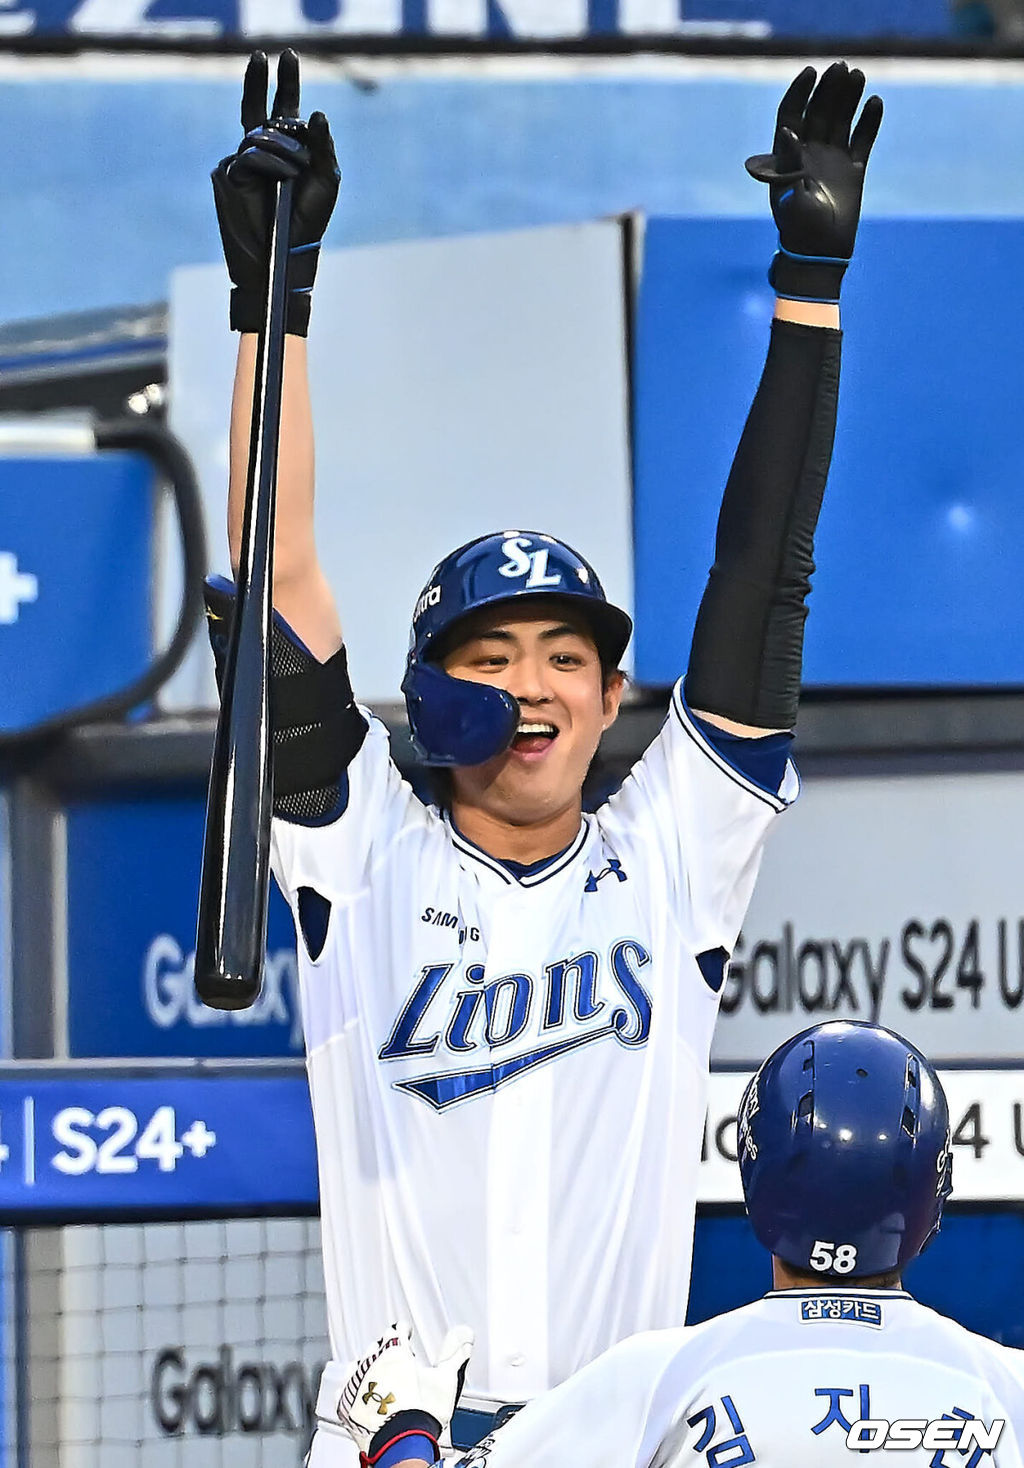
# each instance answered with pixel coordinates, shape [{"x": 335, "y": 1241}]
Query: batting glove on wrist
[
  {"x": 274, "y": 148},
  {"x": 391, "y": 1395},
  {"x": 815, "y": 175}
]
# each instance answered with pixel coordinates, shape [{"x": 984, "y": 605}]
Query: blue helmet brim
[{"x": 610, "y": 626}]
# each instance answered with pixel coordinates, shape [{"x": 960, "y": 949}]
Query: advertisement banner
[
  {"x": 499, "y": 20},
  {"x": 986, "y": 1118},
  {"x": 896, "y": 900},
  {"x": 133, "y": 883},
  {"x": 74, "y": 591},
  {"x": 153, "y": 1345},
  {"x": 83, "y": 1145},
  {"x": 507, "y": 20},
  {"x": 94, "y": 1145}
]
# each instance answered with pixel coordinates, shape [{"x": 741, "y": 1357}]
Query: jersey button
[{"x": 517, "y": 1360}]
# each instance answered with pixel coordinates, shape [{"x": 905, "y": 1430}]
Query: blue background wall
[
  {"x": 973, "y": 1271},
  {"x": 105, "y": 184},
  {"x": 81, "y": 527},
  {"x": 917, "y": 550}
]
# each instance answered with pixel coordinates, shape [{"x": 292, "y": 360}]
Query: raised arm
[
  {"x": 746, "y": 658},
  {"x": 279, "y": 146}
]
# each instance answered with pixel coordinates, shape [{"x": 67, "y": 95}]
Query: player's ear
[{"x": 614, "y": 687}]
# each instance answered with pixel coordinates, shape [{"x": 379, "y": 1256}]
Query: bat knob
[{"x": 220, "y": 990}]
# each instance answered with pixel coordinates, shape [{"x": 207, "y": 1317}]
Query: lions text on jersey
[
  {"x": 508, "y": 1072},
  {"x": 780, "y": 1384}
]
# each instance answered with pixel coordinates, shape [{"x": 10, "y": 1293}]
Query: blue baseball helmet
[
  {"x": 457, "y": 722},
  {"x": 844, "y": 1151}
]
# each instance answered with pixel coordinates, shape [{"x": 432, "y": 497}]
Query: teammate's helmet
[
  {"x": 844, "y": 1151},
  {"x": 455, "y": 721}
]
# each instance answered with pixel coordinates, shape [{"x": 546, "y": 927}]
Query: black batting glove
[
  {"x": 815, "y": 175},
  {"x": 275, "y": 147}
]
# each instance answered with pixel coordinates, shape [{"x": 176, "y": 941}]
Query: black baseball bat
[{"x": 231, "y": 933}]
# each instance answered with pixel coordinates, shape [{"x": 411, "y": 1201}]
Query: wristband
[
  {"x": 408, "y": 1434},
  {"x": 812, "y": 278},
  {"x": 407, "y": 1445},
  {"x": 247, "y": 310},
  {"x": 247, "y": 307}
]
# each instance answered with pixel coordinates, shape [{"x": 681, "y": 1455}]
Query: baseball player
[
  {"x": 506, "y": 1001},
  {"x": 844, "y": 1152}
]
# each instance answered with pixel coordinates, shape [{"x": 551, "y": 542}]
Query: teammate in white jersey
[
  {"x": 845, "y": 1158},
  {"x": 505, "y": 1001}
]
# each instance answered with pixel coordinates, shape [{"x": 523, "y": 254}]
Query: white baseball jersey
[
  {"x": 778, "y": 1383},
  {"x": 535, "y": 1048}
]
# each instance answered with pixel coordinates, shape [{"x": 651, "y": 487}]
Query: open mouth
[{"x": 534, "y": 738}]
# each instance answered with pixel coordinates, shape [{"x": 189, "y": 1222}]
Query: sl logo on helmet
[{"x": 522, "y": 561}]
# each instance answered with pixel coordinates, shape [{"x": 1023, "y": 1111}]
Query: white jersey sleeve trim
[{"x": 777, "y": 800}]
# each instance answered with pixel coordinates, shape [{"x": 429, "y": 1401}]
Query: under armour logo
[
  {"x": 613, "y": 869},
  {"x": 371, "y": 1394}
]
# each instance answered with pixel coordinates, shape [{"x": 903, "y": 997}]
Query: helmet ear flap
[{"x": 454, "y": 721}]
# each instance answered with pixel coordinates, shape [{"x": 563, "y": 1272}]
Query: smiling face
[{"x": 546, "y": 657}]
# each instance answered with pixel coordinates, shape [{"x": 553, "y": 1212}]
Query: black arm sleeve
[
  {"x": 747, "y": 651},
  {"x": 317, "y": 728}
]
